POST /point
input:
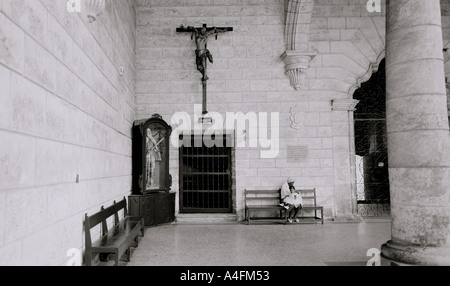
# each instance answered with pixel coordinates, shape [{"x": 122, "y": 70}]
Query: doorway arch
[{"x": 371, "y": 156}]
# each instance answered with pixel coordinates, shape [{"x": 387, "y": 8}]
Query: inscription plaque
[{"x": 297, "y": 154}]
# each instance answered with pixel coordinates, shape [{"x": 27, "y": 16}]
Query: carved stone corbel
[
  {"x": 296, "y": 65},
  {"x": 298, "y": 55}
]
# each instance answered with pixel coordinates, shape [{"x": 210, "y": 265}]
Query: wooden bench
[
  {"x": 310, "y": 204},
  {"x": 116, "y": 240},
  {"x": 269, "y": 200},
  {"x": 263, "y": 200}
]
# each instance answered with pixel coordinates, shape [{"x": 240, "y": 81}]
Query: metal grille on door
[{"x": 205, "y": 176}]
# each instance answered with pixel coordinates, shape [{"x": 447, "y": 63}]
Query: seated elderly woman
[{"x": 293, "y": 203}]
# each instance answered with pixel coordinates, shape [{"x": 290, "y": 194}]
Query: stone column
[
  {"x": 344, "y": 159},
  {"x": 418, "y": 134}
]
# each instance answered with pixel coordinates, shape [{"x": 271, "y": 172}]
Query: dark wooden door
[
  {"x": 148, "y": 209},
  {"x": 205, "y": 176},
  {"x": 156, "y": 209},
  {"x": 164, "y": 209}
]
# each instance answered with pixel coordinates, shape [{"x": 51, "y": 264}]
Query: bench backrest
[
  {"x": 102, "y": 217},
  {"x": 273, "y": 197},
  {"x": 262, "y": 197},
  {"x": 309, "y": 197}
]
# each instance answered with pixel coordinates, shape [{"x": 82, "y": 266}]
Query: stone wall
[
  {"x": 248, "y": 75},
  {"x": 445, "y": 14},
  {"x": 65, "y": 120}
]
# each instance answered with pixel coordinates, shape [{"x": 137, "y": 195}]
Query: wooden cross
[{"x": 202, "y": 53}]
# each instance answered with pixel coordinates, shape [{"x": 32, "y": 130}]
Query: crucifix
[{"x": 202, "y": 53}]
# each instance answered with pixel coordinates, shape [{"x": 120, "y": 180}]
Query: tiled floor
[{"x": 261, "y": 244}]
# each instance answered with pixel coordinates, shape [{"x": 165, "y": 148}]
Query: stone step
[{"x": 206, "y": 219}]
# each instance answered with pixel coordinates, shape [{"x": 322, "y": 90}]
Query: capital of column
[
  {"x": 344, "y": 104},
  {"x": 297, "y": 64}
]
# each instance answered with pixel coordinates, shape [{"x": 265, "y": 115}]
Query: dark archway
[{"x": 372, "y": 176}]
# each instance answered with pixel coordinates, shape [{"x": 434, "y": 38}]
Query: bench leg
[
  {"x": 135, "y": 242},
  {"x": 88, "y": 258},
  {"x": 142, "y": 229},
  {"x": 128, "y": 253},
  {"x": 116, "y": 258}
]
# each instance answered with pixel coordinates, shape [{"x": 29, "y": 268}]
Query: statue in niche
[{"x": 154, "y": 155}]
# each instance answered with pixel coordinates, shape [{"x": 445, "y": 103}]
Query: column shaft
[{"x": 418, "y": 134}]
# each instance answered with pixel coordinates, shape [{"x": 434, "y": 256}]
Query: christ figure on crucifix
[{"x": 201, "y": 41}]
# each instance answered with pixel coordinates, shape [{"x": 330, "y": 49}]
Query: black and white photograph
[{"x": 224, "y": 140}]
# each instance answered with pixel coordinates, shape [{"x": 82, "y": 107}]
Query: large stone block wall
[
  {"x": 65, "y": 111},
  {"x": 248, "y": 75}
]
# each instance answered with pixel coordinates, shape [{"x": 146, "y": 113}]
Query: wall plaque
[{"x": 297, "y": 154}]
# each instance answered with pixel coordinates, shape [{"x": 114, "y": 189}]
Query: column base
[{"x": 400, "y": 254}]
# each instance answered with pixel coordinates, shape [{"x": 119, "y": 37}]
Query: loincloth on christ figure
[{"x": 202, "y": 55}]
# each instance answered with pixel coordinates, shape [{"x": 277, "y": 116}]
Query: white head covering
[{"x": 290, "y": 180}]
